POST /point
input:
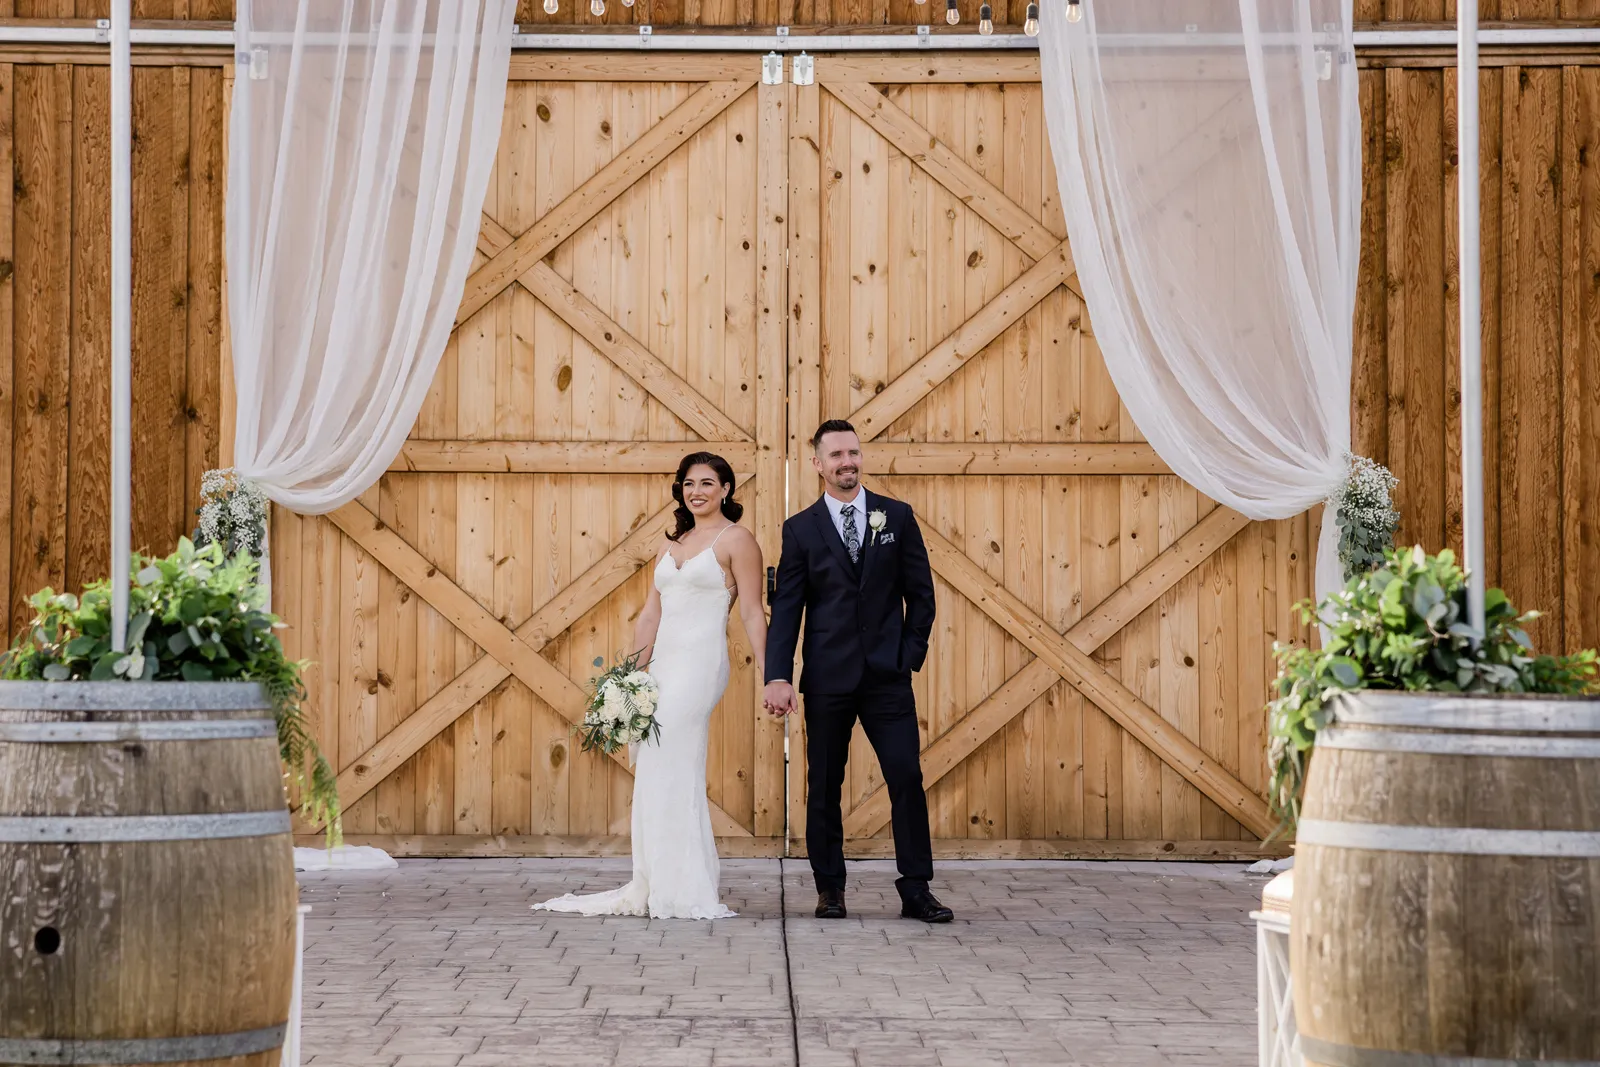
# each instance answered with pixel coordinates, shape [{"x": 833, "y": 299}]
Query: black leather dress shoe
[
  {"x": 830, "y": 904},
  {"x": 925, "y": 906}
]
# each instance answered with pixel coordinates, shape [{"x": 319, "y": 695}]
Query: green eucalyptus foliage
[
  {"x": 1403, "y": 626},
  {"x": 195, "y": 616}
]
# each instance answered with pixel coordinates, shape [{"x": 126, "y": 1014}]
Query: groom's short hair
[{"x": 831, "y": 426}]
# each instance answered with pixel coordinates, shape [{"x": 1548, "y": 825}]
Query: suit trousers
[{"x": 888, "y": 713}]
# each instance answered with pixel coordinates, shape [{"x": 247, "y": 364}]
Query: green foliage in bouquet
[
  {"x": 1403, "y": 626},
  {"x": 195, "y": 616},
  {"x": 622, "y": 707}
]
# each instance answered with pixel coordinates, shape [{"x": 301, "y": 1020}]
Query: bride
[{"x": 706, "y": 565}]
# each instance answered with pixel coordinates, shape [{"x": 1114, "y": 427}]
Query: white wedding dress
[{"x": 675, "y": 865}]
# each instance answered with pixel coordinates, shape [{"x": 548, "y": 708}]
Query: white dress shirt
[{"x": 836, "y": 509}]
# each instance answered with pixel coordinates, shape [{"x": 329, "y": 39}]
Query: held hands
[{"x": 779, "y": 699}]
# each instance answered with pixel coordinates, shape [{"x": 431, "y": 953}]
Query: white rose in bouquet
[{"x": 622, "y": 707}]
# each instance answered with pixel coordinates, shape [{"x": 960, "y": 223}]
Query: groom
[{"x": 854, "y": 564}]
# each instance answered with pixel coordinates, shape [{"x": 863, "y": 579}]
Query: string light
[
  {"x": 986, "y": 20},
  {"x": 551, "y": 6},
  {"x": 597, "y": 8},
  {"x": 1031, "y": 25},
  {"x": 627, "y": 3},
  {"x": 951, "y": 15},
  {"x": 921, "y": 2},
  {"x": 1074, "y": 10}
]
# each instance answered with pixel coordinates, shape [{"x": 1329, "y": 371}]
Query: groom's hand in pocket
[{"x": 778, "y": 698}]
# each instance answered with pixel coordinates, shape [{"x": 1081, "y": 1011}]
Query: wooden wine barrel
[
  {"x": 147, "y": 889},
  {"x": 1446, "y": 907}
]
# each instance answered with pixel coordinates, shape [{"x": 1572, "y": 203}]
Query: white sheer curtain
[
  {"x": 362, "y": 137},
  {"x": 1209, "y": 161}
]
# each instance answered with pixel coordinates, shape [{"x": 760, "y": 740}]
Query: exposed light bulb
[
  {"x": 921, "y": 2},
  {"x": 1074, "y": 11},
  {"x": 597, "y": 8},
  {"x": 951, "y": 15},
  {"x": 1031, "y": 25},
  {"x": 552, "y": 6},
  {"x": 986, "y": 20},
  {"x": 627, "y": 3}
]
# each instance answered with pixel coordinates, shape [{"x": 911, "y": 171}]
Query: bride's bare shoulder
[{"x": 740, "y": 538}]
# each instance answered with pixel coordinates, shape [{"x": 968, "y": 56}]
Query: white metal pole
[
  {"x": 1471, "y": 310},
  {"x": 121, "y": 318}
]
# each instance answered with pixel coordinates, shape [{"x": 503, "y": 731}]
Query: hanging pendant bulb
[
  {"x": 1074, "y": 10},
  {"x": 986, "y": 20},
  {"x": 1031, "y": 25},
  {"x": 551, "y": 6},
  {"x": 921, "y": 2},
  {"x": 627, "y": 3},
  {"x": 951, "y": 15},
  {"x": 597, "y": 8}
]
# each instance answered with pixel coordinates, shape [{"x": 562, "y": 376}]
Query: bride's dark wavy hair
[{"x": 731, "y": 508}]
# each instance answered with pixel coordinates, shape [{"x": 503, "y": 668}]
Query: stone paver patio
[{"x": 441, "y": 964}]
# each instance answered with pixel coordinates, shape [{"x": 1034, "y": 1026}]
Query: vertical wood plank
[
  {"x": 160, "y": 284},
  {"x": 434, "y": 764},
  {"x": 1415, "y": 226},
  {"x": 395, "y": 798},
  {"x": 982, "y": 383},
  {"x": 588, "y": 128},
  {"x": 633, "y": 498},
  {"x": 43, "y": 235},
  {"x": 1179, "y": 625},
  {"x": 204, "y": 171},
  {"x": 1530, "y": 387},
  {"x": 512, "y": 757},
  {"x": 8, "y": 291},
  {"x": 88, "y": 534},
  {"x": 946, "y": 421},
  {"x": 1141, "y": 654},
  {"x": 1580, "y": 154},
  {"x": 1023, "y": 419},
  {"x": 1369, "y": 393}
]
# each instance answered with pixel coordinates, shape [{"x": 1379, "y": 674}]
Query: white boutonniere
[{"x": 876, "y": 521}]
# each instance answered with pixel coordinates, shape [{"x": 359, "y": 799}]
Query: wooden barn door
[
  {"x": 625, "y": 308},
  {"x": 1103, "y": 648}
]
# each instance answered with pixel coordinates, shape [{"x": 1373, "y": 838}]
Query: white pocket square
[{"x": 886, "y": 539}]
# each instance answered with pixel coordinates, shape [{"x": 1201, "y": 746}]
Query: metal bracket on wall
[
  {"x": 772, "y": 69},
  {"x": 804, "y": 72},
  {"x": 102, "y": 31},
  {"x": 924, "y": 36},
  {"x": 644, "y": 36}
]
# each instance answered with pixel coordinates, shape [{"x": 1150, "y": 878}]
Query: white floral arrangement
[
  {"x": 1364, "y": 509},
  {"x": 233, "y": 513},
  {"x": 622, "y": 707}
]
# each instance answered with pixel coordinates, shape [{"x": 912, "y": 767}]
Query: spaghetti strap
[{"x": 720, "y": 532}]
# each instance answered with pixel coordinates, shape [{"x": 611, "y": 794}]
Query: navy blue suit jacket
[{"x": 877, "y": 615}]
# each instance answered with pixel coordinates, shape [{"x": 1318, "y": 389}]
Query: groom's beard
[{"x": 847, "y": 480}]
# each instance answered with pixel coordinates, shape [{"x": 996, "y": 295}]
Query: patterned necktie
[{"x": 852, "y": 537}]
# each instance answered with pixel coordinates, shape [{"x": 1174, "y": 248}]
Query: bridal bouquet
[{"x": 622, "y": 707}]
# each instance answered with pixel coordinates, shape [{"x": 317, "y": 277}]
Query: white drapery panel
[
  {"x": 362, "y": 139},
  {"x": 1209, "y": 162}
]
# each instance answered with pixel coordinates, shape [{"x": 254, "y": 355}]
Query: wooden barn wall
[
  {"x": 55, "y": 343},
  {"x": 802, "y": 13},
  {"x": 1540, "y": 187},
  {"x": 1541, "y": 242}
]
